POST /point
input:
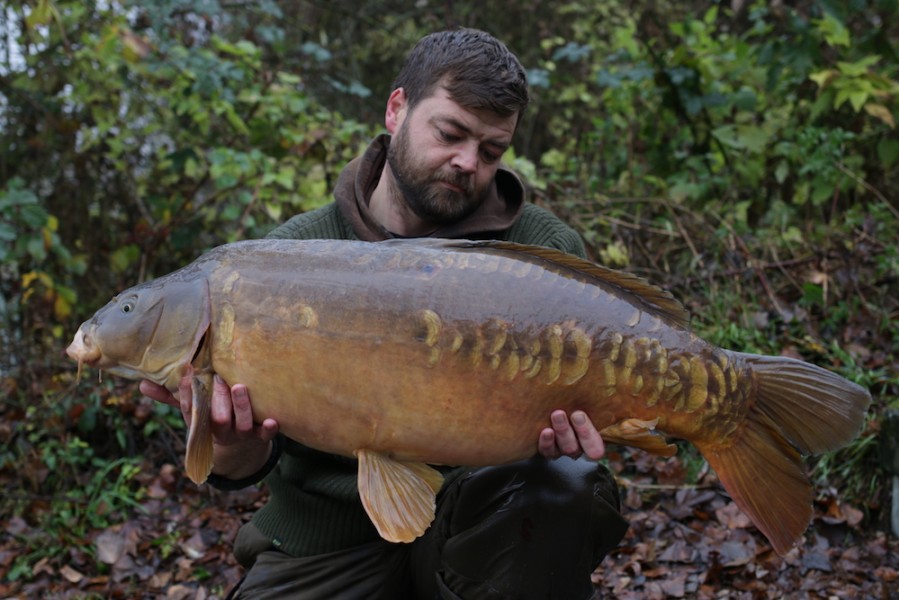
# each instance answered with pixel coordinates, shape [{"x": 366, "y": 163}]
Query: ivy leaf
[
  {"x": 742, "y": 137},
  {"x": 33, "y": 215}
]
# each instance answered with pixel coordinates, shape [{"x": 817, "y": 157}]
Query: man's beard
[{"x": 422, "y": 191}]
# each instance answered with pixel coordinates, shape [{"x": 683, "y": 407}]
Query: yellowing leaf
[
  {"x": 792, "y": 234},
  {"x": 134, "y": 47},
  {"x": 615, "y": 255},
  {"x": 61, "y": 308},
  {"x": 274, "y": 210},
  {"x": 28, "y": 279},
  {"x": 879, "y": 111},
  {"x": 822, "y": 78}
]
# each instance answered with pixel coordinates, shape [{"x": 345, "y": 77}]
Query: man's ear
[{"x": 396, "y": 110}]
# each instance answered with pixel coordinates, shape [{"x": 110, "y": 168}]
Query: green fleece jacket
[{"x": 314, "y": 506}]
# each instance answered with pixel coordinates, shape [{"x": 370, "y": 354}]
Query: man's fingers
[
  {"x": 572, "y": 437},
  {"x": 154, "y": 391},
  {"x": 221, "y": 411},
  {"x": 566, "y": 438},
  {"x": 589, "y": 440},
  {"x": 546, "y": 444},
  {"x": 185, "y": 397},
  {"x": 243, "y": 413},
  {"x": 268, "y": 430}
]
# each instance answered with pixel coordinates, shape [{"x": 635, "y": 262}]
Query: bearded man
[{"x": 533, "y": 529}]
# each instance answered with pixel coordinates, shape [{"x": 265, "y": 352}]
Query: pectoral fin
[
  {"x": 198, "y": 459},
  {"x": 639, "y": 434},
  {"x": 400, "y": 498}
]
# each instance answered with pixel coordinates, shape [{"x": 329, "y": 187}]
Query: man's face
[{"x": 444, "y": 157}]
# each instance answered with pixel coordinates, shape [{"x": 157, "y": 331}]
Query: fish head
[{"x": 151, "y": 331}]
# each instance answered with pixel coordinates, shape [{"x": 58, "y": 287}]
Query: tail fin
[{"x": 798, "y": 409}]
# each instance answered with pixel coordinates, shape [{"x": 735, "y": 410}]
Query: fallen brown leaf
[{"x": 71, "y": 575}]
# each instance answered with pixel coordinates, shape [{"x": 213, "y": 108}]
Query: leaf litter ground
[{"x": 685, "y": 541}]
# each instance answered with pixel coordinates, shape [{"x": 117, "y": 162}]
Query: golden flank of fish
[{"x": 398, "y": 352}]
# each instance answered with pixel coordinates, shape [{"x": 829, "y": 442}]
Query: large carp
[{"x": 416, "y": 352}]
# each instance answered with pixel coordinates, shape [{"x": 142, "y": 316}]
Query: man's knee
[
  {"x": 249, "y": 544},
  {"x": 536, "y": 528},
  {"x": 537, "y": 485}
]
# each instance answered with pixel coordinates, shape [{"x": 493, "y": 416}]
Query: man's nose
[{"x": 466, "y": 158}]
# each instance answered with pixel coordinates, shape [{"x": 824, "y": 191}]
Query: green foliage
[
  {"x": 76, "y": 464},
  {"x": 172, "y": 139},
  {"x": 733, "y": 114},
  {"x": 104, "y": 495},
  {"x": 36, "y": 264}
]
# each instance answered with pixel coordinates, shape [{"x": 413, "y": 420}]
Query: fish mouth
[{"x": 84, "y": 351}]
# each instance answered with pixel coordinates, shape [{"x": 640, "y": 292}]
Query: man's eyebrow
[{"x": 499, "y": 145}]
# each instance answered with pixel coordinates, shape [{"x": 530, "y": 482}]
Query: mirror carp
[{"x": 410, "y": 353}]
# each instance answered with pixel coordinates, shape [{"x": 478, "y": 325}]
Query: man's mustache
[{"x": 457, "y": 179}]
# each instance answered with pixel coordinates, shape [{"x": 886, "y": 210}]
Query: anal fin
[
  {"x": 399, "y": 497},
  {"x": 639, "y": 434}
]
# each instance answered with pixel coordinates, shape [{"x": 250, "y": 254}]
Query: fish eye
[{"x": 128, "y": 306}]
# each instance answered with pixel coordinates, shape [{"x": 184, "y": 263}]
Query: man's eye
[
  {"x": 490, "y": 157},
  {"x": 447, "y": 137}
]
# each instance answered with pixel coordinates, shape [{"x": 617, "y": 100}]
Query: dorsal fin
[{"x": 640, "y": 292}]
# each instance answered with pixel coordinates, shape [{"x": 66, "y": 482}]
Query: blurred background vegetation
[{"x": 743, "y": 154}]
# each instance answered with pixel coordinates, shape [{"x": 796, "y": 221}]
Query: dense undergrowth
[{"x": 744, "y": 158}]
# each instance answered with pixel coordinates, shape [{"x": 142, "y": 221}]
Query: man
[{"x": 534, "y": 529}]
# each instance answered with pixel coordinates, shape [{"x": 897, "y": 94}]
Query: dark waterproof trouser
[{"x": 533, "y": 529}]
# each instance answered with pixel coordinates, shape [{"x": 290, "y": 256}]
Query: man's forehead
[{"x": 439, "y": 105}]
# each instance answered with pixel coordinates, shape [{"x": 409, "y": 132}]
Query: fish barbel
[{"x": 396, "y": 352}]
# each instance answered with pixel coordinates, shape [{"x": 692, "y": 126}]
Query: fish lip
[
  {"x": 84, "y": 351},
  {"x": 91, "y": 362}
]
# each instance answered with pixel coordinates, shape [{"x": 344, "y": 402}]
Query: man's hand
[
  {"x": 241, "y": 446},
  {"x": 571, "y": 437},
  {"x": 231, "y": 412}
]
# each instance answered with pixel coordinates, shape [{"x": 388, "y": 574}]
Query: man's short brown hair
[{"x": 475, "y": 68}]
